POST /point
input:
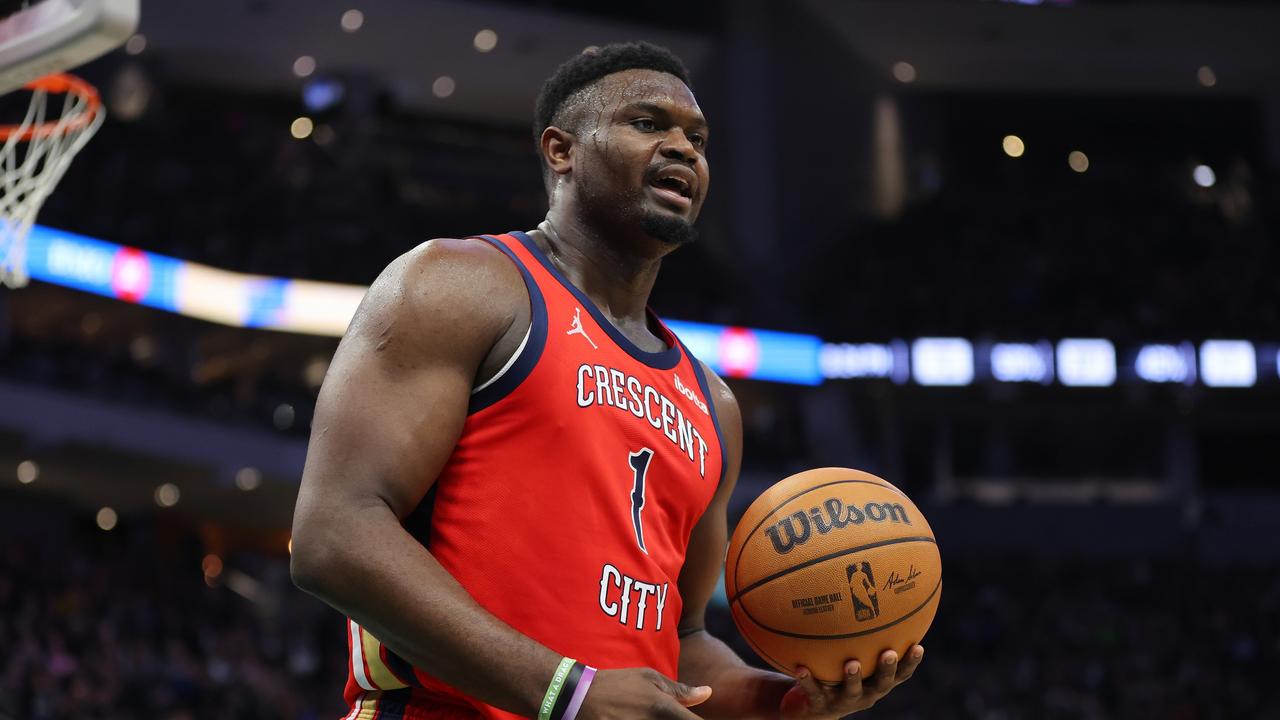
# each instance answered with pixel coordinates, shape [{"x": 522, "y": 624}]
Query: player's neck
[{"x": 617, "y": 281}]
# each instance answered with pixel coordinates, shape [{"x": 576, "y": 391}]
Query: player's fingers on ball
[
  {"x": 851, "y": 689},
  {"x": 882, "y": 681},
  {"x": 910, "y": 663},
  {"x": 809, "y": 684}
]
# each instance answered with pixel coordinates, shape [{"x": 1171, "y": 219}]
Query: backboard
[
  {"x": 38, "y": 40},
  {"x": 40, "y": 37}
]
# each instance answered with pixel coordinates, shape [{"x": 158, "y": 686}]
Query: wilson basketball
[{"x": 831, "y": 565}]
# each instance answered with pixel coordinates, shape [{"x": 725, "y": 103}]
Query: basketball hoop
[{"x": 35, "y": 156}]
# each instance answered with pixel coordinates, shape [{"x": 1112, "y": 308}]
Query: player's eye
[
  {"x": 697, "y": 140},
  {"x": 644, "y": 124}
]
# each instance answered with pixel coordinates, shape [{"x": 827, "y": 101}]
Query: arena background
[{"x": 1019, "y": 258}]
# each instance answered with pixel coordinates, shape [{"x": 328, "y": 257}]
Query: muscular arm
[
  {"x": 390, "y": 411},
  {"x": 738, "y": 691}
]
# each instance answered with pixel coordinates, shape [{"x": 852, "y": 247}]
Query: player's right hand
[{"x": 640, "y": 693}]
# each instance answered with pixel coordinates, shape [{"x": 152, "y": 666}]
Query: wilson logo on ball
[{"x": 833, "y": 514}]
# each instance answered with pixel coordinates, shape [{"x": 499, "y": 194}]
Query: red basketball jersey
[{"x": 567, "y": 505}]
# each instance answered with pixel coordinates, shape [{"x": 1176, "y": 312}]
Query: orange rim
[{"x": 58, "y": 84}]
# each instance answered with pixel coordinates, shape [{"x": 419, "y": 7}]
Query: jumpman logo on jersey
[{"x": 576, "y": 328}]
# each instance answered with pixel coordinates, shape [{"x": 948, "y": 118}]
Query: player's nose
[{"x": 676, "y": 146}]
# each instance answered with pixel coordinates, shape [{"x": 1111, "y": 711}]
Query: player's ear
[{"x": 557, "y": 149}]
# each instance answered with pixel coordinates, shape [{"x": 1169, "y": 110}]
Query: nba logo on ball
[
  {"x": 862, "y": 592},
  {"x": 831, "y": 565}
]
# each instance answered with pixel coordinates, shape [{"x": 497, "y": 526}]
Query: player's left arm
[{"x": 738, "y": 690}]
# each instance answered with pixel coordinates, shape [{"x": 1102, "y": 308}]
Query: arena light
[
  {"x": 1086, "y": 362},
  {"x": 788, "y": 357},
  {"x": 322, "y": 93},
  {"x": 1166, "y": 363},
  {"x": 485, "y": 40},
  {"x": 283, "y": 416},
  {"x": 248, "y": 479},
  {"x": 1228, "y": 363},
  {"x": 1078, "y": 161},
  {"x": 942, "y": 361},
  {"x": 167, "y": 495},
  {"x": 131, "y": 93},
  {"x": 856, "y": 360},
  {"x": 443, "y": 86},
  {"x": 739, "y": 352},
  {"x": 102, "y": 268},
  {"x": 904, "y": 72},
  {"x": 318, "y": 308},
  {"x": 1022, "y": 362},
  {"x": 136, "y": 44},
  {"x": 191, "y": 289},
  {"x": 1206, "y": 76},
  {"x": 753, "y": 353},
  {"x": 28, "y": 471},
  {"x": 352, "y": 20},
  {"x": 306, "y": 306},
  {"x": 304, "y": 66},
  {"x": 211, "y": 565},
  {"x": 1204, "y": 176},
  {"x": 107, "y": 519},
  {"x": 1013, "y": 146},
  {"x": 901, "y": 361},
  {"x": 301, "y": 128}
]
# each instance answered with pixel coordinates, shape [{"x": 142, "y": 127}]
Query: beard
[{"x": 669, "y": 229}]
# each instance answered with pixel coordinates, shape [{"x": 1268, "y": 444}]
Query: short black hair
[{"x": 594, "y": 63}]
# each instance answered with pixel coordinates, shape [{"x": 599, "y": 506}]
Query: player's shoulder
[
  {"x": 726, "y": 403},
  {"x": 463, "y": 280},
  {"x": 466, "y": 260}
]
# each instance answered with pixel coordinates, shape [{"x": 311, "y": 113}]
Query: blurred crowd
[
  {"x": 1131, "y": 250},
  {"x": 217, "y": 178},
  {"x": 121, "y": 627},
  {"x": 1129, "y": 258},
  {"x": 166, "y": 378}
]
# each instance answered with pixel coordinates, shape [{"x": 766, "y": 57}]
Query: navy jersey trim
[
  {"x": 401, "y": 668},
  {"x": 661, "y": 360},
  {"x": 532, "y": 352},
  {"x": 392, "y": 704},
  {"x": 701, "y": 376}
]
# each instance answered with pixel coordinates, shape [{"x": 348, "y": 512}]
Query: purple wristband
[{"x": 579, "y": 693}]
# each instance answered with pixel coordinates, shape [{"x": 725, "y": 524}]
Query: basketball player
[{"x": 517, "y": 477}]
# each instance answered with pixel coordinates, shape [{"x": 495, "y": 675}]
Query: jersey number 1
[{"x": 639, "y": 466}]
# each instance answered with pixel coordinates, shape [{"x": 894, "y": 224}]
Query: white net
[{"x": 35, "y": 156}]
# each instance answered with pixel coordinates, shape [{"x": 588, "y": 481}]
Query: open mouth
[
  {"x": 680, "y": 186},
  {"x": 674, "y": 189}
]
